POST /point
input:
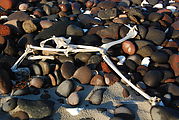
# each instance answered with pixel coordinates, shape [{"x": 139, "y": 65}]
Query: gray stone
[
  {"x": 36, "y": 109},
  {"x": 74, "y": 30},
  {"x": 65, "y": 88},
  {"x": 107, "y": 14},
  {"x": 9, "y": 105}
]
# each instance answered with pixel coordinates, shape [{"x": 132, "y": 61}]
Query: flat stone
[
  {"x": 107, "y": 14},
  {"x": 36, "y": 109}
]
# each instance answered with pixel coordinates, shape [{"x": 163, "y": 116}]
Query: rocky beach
[{"x": 89, "y": 60}]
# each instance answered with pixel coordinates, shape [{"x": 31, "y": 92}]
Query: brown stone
[
  {"x": 83, "y": 74},
  {"x": 67, "y": 70},
  {"x": 37, "y": 82},
  {"x": 53, "y": 80},
  {"x": 174, "y": 63},
  {"x": 175, "y": 25},
  {"x": 2, "y": 40},
  {"x": 125, "y": 93},
  {"x": 20, "y": 115},
  {"x": 110, "y": 78},
  {"x": 110, "y": 32},
  {"x": 5, "y": 82},
  {"x": 5, "y": 30},
  {"x": 97, "y": 80},
  {"x": 29, "y": 26},
  {"x": 94, "y": 30},
  {"x": 167, "y": 18},
  {"x": 45, "y": 24}
]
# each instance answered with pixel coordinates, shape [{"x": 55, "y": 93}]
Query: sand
[{"x": 111, "y": 98}]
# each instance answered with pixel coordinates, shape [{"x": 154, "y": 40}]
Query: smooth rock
[
  {"x": 107, "y": 14},
  {"x": 36, "y": 109},
  {"x": 19, "y": 15},
  {"x": 136, "y": 58},
  {"x": 82, "y": 57},
  {"x": 46, "y": 23},
  {"x": 106, "y": 4},
  {"x": 67, "y": 70},
  {"x": 73, "y": 30},
  {"x": 97, "y": 80},
  {"x": 5, "y": 30},
  {"x": 73, "y": 99},
  {"x": 173, "y": 60},
  {"x": 110, "y": 78},
  {"x": 6, "y": 4},
  {"x": 173, "y": 89},
  {"x": 29, "y": 26},
  {"x": 9, "y": 105},
  {"x": 65, "y": 88},
  {"x": 83, "y": 74},
  {"x": 23, "y": 7},
  {"x": 154, "y": 16},
  {"x": 164, "y": 113},
  {"x": 96, "y": 97},
  {"x": 20, "y": 115},
  {"x": 105, "y": 67},
  {"x": 45, "y": 67},
  {"x": 109, "y": 32},
  {"x": 142, "y": 43},
  {"x": 131, "y": 64},
  {"x": 5, "y": 82},
  {"x": 90, "y": 40},
  {"x": 156, "y": 36},
  {"x": 125, "y": 93},
  {"x": 128, "y": 47},
  {"x": 124, "y": 113},
  {"x": 37, "y": 82},
  {"x": 175, "y": 25},
  {"x": 153, "y": 78},
  {"x": 159, "y": 57},
  {"x": 36, "y": 69},
  {"x": 145, "y": 51}
]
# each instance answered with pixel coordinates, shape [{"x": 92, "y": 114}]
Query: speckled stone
[
  {"x": 107, "y": 14},
  {"x": 9, "y": 105}
]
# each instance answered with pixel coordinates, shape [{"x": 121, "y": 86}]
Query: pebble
[
  {"x": 106, "y": 4},
  {"x": 107, "y": 14},
  {"x": 152, "y": 78},
  {"x": 67, "y": 70},
  {"x": 6, "y": 4},
  {"x": 29, "y": 26},
  {"x": 5, "y": 82},
  {"x": 83, "y": 74},
  {"x": 45, "y": 67},
  {"x": 109, "y": 32},
  {"x": 65, "y": 88},
  {"x": 110, "y": 78},
  {"x": 125, "y": 93},
  {"x": 173, "y": 89},
  {"x": 19, "y": 15},
  {"x": 36, "y": 109},
  {"x": 46, "y": 24},
  {"x": 105, "y": 67},
  {"x": 128, "y": 47},
  {"x": 20, "y": 115},
  {"x": 173, "y": 60},
  {"x": 73, "y": 99},
  {"x": 82, "y": 57},
  {"x": 96, "y": 97},
  {"x": 163, "y": 113},
  {"x": 156, "y": 36},
  {"x": 124, "y": 113},
  {"x": 9, "y": 105},
  {"x": 37, "y": 82},
  {"x": 5, "y": 30},
  {"x": 175, "y": 25},
  {"x": 97, "y": 80},
  {"x": 23, "y": 7},
  {"x": 73, "y": 30},
  {"x": 159, "y": 57}
]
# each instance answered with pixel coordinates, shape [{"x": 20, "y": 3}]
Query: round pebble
[
  {"x": 128, "y": 47},
  {"x": 97, "y": 80},
  {"x": 96, "y": 97},
  {"x": 73, "y": 99},
  {"x": 37, "y": 82},
  {"x": 67, "y": 69}
]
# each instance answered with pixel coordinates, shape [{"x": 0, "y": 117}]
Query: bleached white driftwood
[{"x": 63, "y": 45}]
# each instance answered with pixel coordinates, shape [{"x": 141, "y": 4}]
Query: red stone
[
  {"x": 128, "y": 47},
  {"x": 110, "y": 78},
  {"x": 164, "y": 11},
  {"x": 4, "y": 30},
  {"x": 169, "y": 81},
  {"x": 174, "y": 63},
  {"x": 105, "y": 67},
  {"x": 175, "y": 25},
  {"x": 6, "y": 4},
  {"x": 172, "y": 44},
  {"x": 167, "y": 18}
]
